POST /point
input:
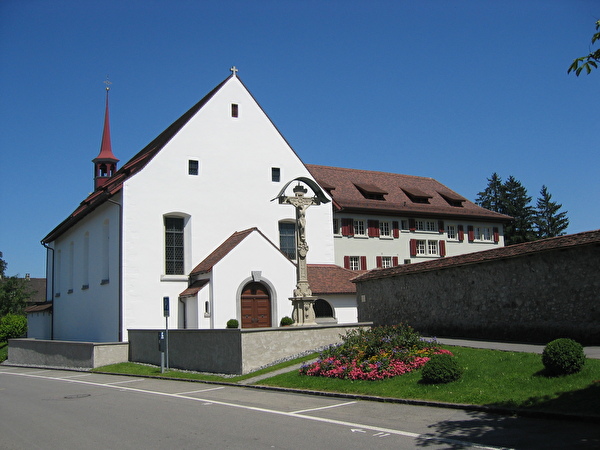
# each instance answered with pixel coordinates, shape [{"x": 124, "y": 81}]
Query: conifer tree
[
  {"x": 517, "y": 205},
  {"x": 492, "y": 196},
  {"x": 548, "y": 221}
]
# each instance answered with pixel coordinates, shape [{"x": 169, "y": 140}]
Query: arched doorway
[
  {"x": 323, "y": 311},
  {"x": 256, "y": 306}
]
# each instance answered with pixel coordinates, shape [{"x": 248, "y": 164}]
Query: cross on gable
[{"x": 234, "y": 71}]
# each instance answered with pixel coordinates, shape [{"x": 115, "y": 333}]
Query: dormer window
[
  {"x": 453, "y": 199},
  {"x": 370, "y": 191},
  {"x": 416, "y": 195}
]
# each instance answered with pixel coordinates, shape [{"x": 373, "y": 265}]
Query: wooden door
[{"x": 256, "y": 306}]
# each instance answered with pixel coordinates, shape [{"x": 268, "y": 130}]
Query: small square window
[
  {"x": 193, "y": 167},
  {"x": 234, "y": 110},
  {"x": 275, "y": 174}
]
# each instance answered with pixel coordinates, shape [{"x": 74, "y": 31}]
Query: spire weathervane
[
  {"x": 234, "y": 71},
  {"x": 107, "y": 83}
]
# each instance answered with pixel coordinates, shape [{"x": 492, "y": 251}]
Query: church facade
[{"x": 194, "y": 217}]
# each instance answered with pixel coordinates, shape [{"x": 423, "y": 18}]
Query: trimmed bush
[
  {"x": 441, "y": 368},
  {"x": 285, "y": 321},
  {"x": 12, "y": 326},
  {"x": 233, "y": 323},
  {"x": 563, "y": 357}
]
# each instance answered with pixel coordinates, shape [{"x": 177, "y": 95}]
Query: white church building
[{"x": 194, "y": 217}]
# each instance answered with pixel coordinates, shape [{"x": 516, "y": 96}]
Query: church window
[
  {"x": 287, "y": 239},
  {"x": 275, "y": 174},
  {"x": 193, "y": 167},
  {"x": 359, "y": 227},
  {"x": 105, "y": 252},
  {"x": 71, "y": 268},
  {"x": 86, "y": 261},
  {"x": 234, "y": 110},
  {"x": 174, "y": 246}
]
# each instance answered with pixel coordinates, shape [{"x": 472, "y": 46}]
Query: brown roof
[
  {"x": 331, "y": 279},
  {"x": 527, "y": 248},
  {"x": 45, "y": 306},
  {"x": 194, "y": 288},
  {"x": 344, "y": 187},
  {"x": 37, "y": 286}
]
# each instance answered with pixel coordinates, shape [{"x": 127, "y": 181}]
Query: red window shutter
[
  {"x": 412, "y": 226},
  {"x": 441, "y": 226},
  {"x": 461, "y": 233},
  {"x": 471, "y": 233},
  {"x": 346, "y": 262},
  {"x": 378, "y": 261},
  {"x": 373, "y": 228},
  {"x": 363, "y": 263},
  {"x": 496, "y": 235},
  {"x": 347, "y": 227},
  {"x": 396, "y": 229},
  {"x": 394, "y": 260},
  {"x": 442, "y": 245},
  {"x": 413, "y": 247}
]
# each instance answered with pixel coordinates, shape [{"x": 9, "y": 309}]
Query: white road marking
[
  {"x": 76, "y": 376},
  {"x": 116, "y": 382},
  {"x": 322, "y": 407},
  {"x": 378, "y": 430},
  {"x": 201, "y": 390}
]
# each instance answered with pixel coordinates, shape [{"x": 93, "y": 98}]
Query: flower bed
[{"x": 374, "y": 354}]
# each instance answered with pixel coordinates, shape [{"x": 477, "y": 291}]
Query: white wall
[
  {"x": 88, "y": 313},
  {"x": 232, "y": 192}
]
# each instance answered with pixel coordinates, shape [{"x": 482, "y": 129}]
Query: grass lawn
[{"x": 491, "y": 377}]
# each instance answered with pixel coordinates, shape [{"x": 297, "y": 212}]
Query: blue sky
[{"x": 453, "y": 90}]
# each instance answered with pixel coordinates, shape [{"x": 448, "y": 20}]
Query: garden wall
[{"x": 532, "y": 292}]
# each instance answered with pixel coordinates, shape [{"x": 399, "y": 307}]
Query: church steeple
[{"x": 105, "y": 164}]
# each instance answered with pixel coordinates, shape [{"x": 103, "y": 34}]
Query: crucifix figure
[{"x": 303, "y": 300}]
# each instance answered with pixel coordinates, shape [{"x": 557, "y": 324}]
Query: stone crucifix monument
[{"x": 303, "y": 300}]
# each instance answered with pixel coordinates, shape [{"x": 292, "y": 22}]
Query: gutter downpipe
[
  {"x": 51, "y": 286},
  {"x": 120, "y": 267}
]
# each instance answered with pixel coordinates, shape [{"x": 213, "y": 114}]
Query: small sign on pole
[
  {"x": 166, "y": 306},
  {"x": 166, "y": 314},
  {"x": 161, "y": 349}
]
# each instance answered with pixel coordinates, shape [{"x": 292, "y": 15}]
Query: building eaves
[
  {"x": 331, "y": 279},
  {"x": 130, "y": 168},
  {"x": 497, "y": 254}
]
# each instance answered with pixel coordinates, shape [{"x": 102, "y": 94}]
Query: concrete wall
[
  {"x": 36, "y": 352},
  {"x": 536, "y": 297},
  {"x": 232, "y": 351}
]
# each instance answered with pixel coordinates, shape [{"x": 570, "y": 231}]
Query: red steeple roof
[{"x": 106, "y": 153}]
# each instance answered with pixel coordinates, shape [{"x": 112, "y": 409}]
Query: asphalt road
[{"x": 55, "y": 409}]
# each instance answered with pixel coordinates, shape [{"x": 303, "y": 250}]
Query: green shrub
[
  {"x": 441, "y": 368},
  {"x": 12, "y": 326},
  {"x": 233, "y": 323},
  {"x": 563, "y": 356},
  {"x": 285, "y": 321}
]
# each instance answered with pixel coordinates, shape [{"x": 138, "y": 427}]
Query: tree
[
  {"x": 548, "y": 221},
  {"x": 14, "y": 292},
  {"x": 492, "y": 196},
  {"x": 591, "y": 60},
  {"x": 517, "y": 205}
]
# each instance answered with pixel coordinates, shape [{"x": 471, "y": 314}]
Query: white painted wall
[
  {"x": 232, "y": 192},
  {"x": 92, "y": 313}
]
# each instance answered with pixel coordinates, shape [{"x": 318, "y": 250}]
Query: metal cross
[
  {"x": 234, "y": 71},
  {"x": 107, "y": 83}
]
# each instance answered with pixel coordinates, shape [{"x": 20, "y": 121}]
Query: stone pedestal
[{"x": 303, "y": 313}]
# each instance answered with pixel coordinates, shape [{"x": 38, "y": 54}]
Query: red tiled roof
[
  {"x": 194, "y": 288},
  {"x": 342, "y": 186},
  {"x": 39, "y": 307},
  {"x": 331, "y": 279},
  {"x": 527, "y": 248},
  {"x": 130, "y": 168},
  {"x": 221, "y": 251}
]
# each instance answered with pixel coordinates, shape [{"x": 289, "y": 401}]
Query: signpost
[{"x": 166, "y": 345}]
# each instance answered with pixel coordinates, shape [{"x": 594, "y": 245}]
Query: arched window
[{"x": 287, "y": 239}]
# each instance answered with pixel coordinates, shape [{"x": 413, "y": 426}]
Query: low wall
[
  {"x": 535, "y": 297},
  {"x": 88, "y": 355},
  {"x": 233, "y": 351}
]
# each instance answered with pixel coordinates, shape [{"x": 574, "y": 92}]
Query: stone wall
[{"x": 533, "y": 297}]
